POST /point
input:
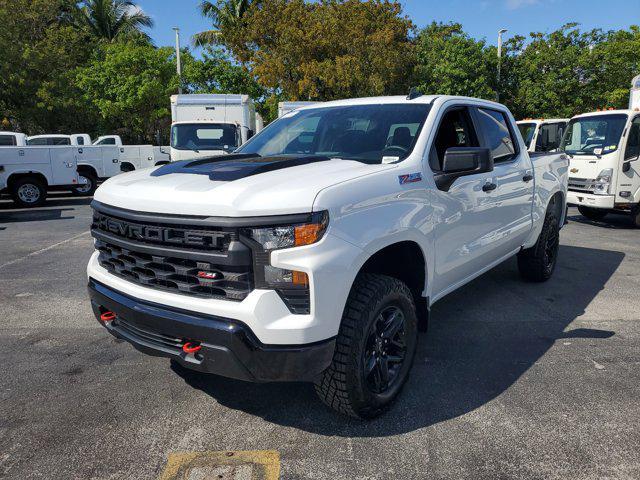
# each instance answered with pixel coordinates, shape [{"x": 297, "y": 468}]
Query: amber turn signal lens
[
  {"x": 308, "y": 233},
  {"x": 300, "y": 278}
]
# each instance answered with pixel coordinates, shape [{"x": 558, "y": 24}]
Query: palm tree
[
  {"x": 113, "y": 19},
  {"x": 223, "y": 14}
]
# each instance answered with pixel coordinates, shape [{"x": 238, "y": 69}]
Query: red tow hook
[
  {"x": 108, "y": 316},
  {"x": 191, "y": 347}
]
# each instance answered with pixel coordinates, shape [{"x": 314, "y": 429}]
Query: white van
[
  {"x": 207, "y": 125},
  {"x": 542, "y": 135}
]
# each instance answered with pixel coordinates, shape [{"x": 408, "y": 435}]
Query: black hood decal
[{"x": 227, "y": 168}]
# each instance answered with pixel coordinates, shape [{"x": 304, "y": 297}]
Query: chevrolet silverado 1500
[{"x": 315, "y": 251}]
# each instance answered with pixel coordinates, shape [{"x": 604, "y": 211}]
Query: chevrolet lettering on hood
[{"x": 155, "y": 234}]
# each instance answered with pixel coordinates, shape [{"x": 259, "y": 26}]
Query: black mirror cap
[
  {"x": 462, "y": 161},
  {"x": 467, "y": 159}
]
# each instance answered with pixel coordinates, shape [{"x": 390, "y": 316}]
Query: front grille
[
  {"x": 581, "y": 185},
  {"x": 200, "y": 261}
]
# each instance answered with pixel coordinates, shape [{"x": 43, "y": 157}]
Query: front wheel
[
  {"x": 594, "y": 214},
  {"x": 538, "y": 262},
  {"x": 374, "y": 348},
  {"x": 29, "y": 192},
  {"x": 88, "y": 185}
]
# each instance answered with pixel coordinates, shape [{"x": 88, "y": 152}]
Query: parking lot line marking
[
  {"x": 42, "y": 250},
  {"x": 251, "y": 464}
]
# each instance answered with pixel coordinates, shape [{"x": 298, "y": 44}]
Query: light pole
[
  {"x": 178, "y": 64},
  {"x": 504, "y": 30}
]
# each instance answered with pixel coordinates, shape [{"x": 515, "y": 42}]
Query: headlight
[
  {"x": 603, "y": 182},
  {"x": 274, "y": 238},
  {"x": 291, "y": 285}
]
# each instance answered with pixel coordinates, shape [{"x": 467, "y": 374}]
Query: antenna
[{"x": 413, "y": 93}]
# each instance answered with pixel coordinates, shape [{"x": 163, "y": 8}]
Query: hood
[
  {"x": 231, "y": 185},
  {"x": 590, "y": 166}
]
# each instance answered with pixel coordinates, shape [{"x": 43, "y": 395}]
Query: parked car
[{"x": 315, "y": 252}]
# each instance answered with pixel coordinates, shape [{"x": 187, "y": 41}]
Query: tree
[
  {"x": 113, "y": 20},
  {"x": 224, "y": 15},
  {"x": 39, "y": 51},
  {"x": 449, "y": 62},
  {"x": 130, "y": 87},
  {"x": 325, "y": 50}
]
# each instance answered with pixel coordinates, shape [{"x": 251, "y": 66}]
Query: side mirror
[{"x": 462, "y": 161}]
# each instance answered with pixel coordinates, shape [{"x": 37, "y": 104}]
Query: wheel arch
[
  {"x": 14, "y": 177},
  {"x": 88, "y": 169}
]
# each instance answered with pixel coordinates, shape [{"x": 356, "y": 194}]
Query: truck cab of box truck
[
  {"x": 210, "y": 125},
  {"x": 604, "y": 172},
  {"x": 542, "y": 135},
  {"x": 12, "y": 139}
]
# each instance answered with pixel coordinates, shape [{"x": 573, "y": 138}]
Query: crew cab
[
  {"x": 316, "y": 250},
  {"x": 542, "y": 135}
]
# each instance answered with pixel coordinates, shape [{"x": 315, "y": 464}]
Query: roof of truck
[
  {"x": 607, "y": 112},
  {"x": 50, "y": 135},
  {"x": 426, "y": 99},
  {"x": 542, "y": 120}
]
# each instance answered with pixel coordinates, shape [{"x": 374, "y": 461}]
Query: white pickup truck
[
  {"x": 315, "y": 251},
  {"x": 27, "y": 173},
  {"x": 542, "y": 135},
  {"x": 12, "y": 139}
]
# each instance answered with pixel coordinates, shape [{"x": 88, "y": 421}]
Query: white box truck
[
  {"x": 604, "y": 151},
  {"x": 206, "y": 125},
  {"x": 286, "y": 107},
  {"x": 542, "y": 135}
]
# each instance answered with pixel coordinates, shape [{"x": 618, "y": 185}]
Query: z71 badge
[{"x": 410, "y": 178}]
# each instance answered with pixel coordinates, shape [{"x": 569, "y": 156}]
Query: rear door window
[
  {"x": 7, "y": 140},
  {"x": 498, "y": 136}
]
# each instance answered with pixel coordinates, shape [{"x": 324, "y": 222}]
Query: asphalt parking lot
[{"x": 513, "y": 380}]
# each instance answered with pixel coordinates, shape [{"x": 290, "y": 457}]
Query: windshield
[
  {"x": 204, "y": 136},
  {"x": 527, "y": 130},
  {"x": 596, "y": 135},
  {"x": 366, "y": 133}
]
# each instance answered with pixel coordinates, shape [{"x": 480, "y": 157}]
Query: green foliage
[
  {"x": 113, "y": 20},
  {"x": 129, "y": 85},
  {"x": 325, "y": 50},
  {"x": 223, "y": 14},
  {"x": 449, "y": 62}
]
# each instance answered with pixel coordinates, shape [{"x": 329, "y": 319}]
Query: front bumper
[
  {"x": 229, "y": 348},
  {"x": 590, "y": 200}
]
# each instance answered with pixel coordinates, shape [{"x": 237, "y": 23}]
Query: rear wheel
[
  {"x": 88, "y": 184},
  {"x": 538, "y": 262},
  {"x": 374, "y": 349},
  {"x": 29, "y": 192},
  {"x": 592, "y": 213}
]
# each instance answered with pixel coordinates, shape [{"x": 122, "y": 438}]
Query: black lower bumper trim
[{"x": 229, "y": 348}]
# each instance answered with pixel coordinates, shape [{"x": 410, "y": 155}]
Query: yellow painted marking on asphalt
[{"x": 241, "y": 465}]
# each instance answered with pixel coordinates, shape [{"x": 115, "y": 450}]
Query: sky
[{"x": 481, "y": 19}]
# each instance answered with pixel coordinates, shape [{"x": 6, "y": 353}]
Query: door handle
[
  {"x": 527, "y": 178},
  {"x": 488, "y": 187}
]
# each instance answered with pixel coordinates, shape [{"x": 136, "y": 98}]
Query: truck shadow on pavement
[
  {"x": 9, "y": 213},
  {"x": 481, "y": 340},
  {"x": 615, "y": 221}
]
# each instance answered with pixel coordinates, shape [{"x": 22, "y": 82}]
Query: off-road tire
[
  {"x": 537, "y": 263},
  {"x": 24, "y": 185},
  {"x": 91, "y": 178},
  {"x": 595, "y": 214},
  {"x": 343, "y": 386}
]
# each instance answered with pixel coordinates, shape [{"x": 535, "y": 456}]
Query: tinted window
[
  {"x": 80, "y": 140},
  {"x": 527, "y": 130},
  {"x": 366, "y": 133},
  {"x": 107, "y": 141},
  {"x": 496, "y": 130},
  {"x": 593, "y": 135},
  {"x": 212, "y": 136},
  {"x": 549, "y": 137},
  {"x": 455, "y": 130},
  {"x": 7, "y": 140},
  {"x": 633, "y": 143},
  {"x": 37, "y": 141}
]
